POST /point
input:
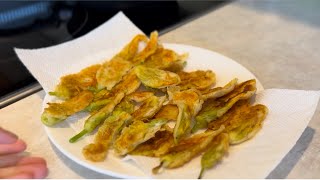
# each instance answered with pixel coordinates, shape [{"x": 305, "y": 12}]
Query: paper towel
[
  {"x": 47, "y": 65},
  {"x": 289, "y": 110},
  {"x": 289, "y": 114}
]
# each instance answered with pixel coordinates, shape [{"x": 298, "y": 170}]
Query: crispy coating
[
  {"x": 57, "y": 112},
  {"x": 156, "y": 78},
  {"x": 245, "y": 87},
  {"x": 106, "y": 134},
  {"x": 242, "y": 121},
  {"x": 189, "y": 103},
  {"x": 96, "y": 105},
  {"x": 231, "y": 118},
  {"x": 100, "y": 94},
  {"x": 187, "y": 149},
  {"x": 168, "y": 111},
  {"x": 215, "y": 152},
  {"x": 191, "y": 97},
  {"x": 178, "y": 65},
  {"x": 150, "y": 49},
  {"x": 249, "y": 124},
  {"x": 137, "y": 133},
  {"x": 149, "y": 108},
  {"x": 156, "y": 146},
  {"x": 140, "y": 96},
  {"x": 213, "y": 109},
  {"x": 129, "y": 84},
  {"x": 219, "y": 91},
  {"x": 131, "y": 49},
  {"x": 111, "y": 72},
  {"x": 71, "y": 85},
  {"x": 183, "y": 125},
  {"x": 161, "y": 59},
  {"x": 166, "y": 59},
  {"x": 125, "y": 105},
  {"x": 196, "y": 79},
  {"x": 98, "y": 118}
]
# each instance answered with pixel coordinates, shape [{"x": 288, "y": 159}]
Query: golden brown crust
[
  {"x": 169, "y": 111},
  {"x": 156, "y": 146},
  {"x": 199, "y": 79},
  {"x": 72, "y": 84}
]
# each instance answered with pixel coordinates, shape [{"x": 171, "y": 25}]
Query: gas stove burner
[{"x": 24, "y": 14}]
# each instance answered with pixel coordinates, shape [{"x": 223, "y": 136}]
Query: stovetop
[{"x": 35, "y": 24}]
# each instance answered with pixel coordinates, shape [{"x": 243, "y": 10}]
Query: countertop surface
[{"x": 278, "y": 41}]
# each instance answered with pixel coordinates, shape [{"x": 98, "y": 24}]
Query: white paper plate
[{"x": 199, "y": 59}]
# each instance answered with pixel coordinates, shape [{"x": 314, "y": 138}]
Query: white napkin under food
[
  {"x": 47, "y": 65},
  {"x": 289, "y": 114},
  {"x": 290, "y": 110}
]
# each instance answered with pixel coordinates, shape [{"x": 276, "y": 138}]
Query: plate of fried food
[{"x": 171, "y": 102}]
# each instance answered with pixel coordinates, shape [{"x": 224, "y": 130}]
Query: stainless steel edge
[{"x": 19, "y": 94}]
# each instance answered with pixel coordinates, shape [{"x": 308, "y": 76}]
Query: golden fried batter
[
  {"x": 57, "y": 112},
  {"x": 125, "y": 105},
  {"x": 166, "y": 59},
  {"x": 215, "y": 152},
  {"x": 177, "y": 66},
  {"x": 191, "y": 97},
  {"x": 215, "y": 108},
  {"x": 197, "y": 79},
  {"x": 219, "y": 91},
  {"x": 183, "y": 125},
  {"x": 150, "y": 49},
  {"x": 131, "y": 50},
  {"x": 111, "y": 72},
  {"x": 189, "y": 103},
  {"x": 231, "y": 118},
  {"x": 140, "y": 96},
  {"x": 137, "y": 133},
  {"x": 156, "y": 146},
  {"x": 156, "y": 78},
  {"x": 149, "y": 108},
  {"x": 129, "y": 84},
  {"x": 242, "y": 121},
  {"x": 105, "y": 136},
  {"x": 187, "y": 149},
  {"x": 168, "y": 111},
  {"x": 251, "y": 124},
  {"x": 72, "y": 84}
]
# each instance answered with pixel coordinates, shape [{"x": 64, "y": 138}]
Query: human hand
[{"x": 13, "y": 164}]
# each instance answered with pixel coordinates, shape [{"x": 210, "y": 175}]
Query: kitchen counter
[{"x": 278, "y": 41}]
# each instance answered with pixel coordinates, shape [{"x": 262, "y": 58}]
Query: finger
[
  {"x": 9, "y": 160},
  {"x": 38, "y": 171},
  {"x": 16, "y": 147},
  {"x": 22, "y": 175},
  {"x": 31, "y": 160},
  {"x": 7, "y": 137},
  {"x": 15, "y": 159}
]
